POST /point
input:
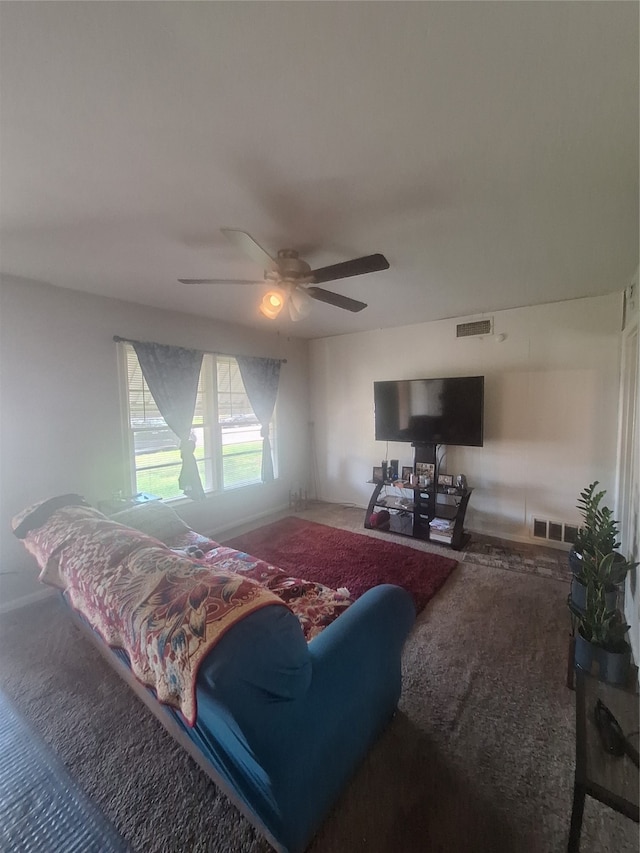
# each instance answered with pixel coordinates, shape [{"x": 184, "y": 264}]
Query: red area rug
[{"x": 339, "y": 558}]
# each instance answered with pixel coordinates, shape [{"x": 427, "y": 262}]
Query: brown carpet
[{"x": 479, "y": 758}]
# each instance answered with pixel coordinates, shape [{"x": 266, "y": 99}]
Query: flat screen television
[{"x": 430, "y": 411}]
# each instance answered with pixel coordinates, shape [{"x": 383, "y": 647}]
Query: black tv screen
[{"x": 430, "y": 411}]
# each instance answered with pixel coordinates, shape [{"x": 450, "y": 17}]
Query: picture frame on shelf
[
  {"x": 376, "y": 477},
  {"x": 445, "y": 479},
  {"x": 425, "y": 472},
  {"x": 407, "y": 471}
]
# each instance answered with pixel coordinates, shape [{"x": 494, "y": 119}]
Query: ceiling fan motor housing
[{"x": 290, "y": 266}]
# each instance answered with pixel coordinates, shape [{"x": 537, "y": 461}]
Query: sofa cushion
[
  {"x": 159, "y": 520},
  {"x": 263, "y": 655}
]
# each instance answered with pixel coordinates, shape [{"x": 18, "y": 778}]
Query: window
[
  {"x": 239, "y": 427},
  {"x": 225, "y": 428}
]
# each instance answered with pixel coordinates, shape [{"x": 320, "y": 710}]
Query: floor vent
[
  {"x": 554, "y": 531},
  {"x": 477, "y": 327}
]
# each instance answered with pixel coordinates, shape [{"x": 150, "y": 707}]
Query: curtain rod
[{"x": 120, "y": 340}]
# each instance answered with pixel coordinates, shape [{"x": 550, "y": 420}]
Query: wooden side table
[{"x": 612, "y": 780}]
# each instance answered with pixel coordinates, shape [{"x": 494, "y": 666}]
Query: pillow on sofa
[
  {"x": 50, "y": 527},
  {"x": 42, "y": 537},
  {"x": 154, "y": 518},
  {"x": 157, "y": 519},
  {"x": 37, "y": 514}
]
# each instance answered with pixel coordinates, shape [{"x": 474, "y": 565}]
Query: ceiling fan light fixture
[
  {"x": 299, "y": 304},
  {"x": 271, "y": 304}
]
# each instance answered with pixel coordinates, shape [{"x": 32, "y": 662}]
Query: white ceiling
[{"x": 488, "y": 149}]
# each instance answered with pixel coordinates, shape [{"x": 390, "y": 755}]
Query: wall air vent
[
  {"x": 477, "y": 327},
  {"x": 539, "y": 528},
  {"x": 553, "y": 531}
]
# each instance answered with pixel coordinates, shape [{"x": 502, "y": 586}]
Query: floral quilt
[
  {"x": 166, "y": 605},
  {"x": 166, "y": 610},
  {"x": 315, "y": 605}
]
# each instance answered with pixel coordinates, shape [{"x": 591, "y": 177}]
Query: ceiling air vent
[{"x": 477, "y": 327}]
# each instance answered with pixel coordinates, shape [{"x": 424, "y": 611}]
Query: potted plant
[
  {"x": 606, "y": 570},
  {"x": 601, "y": 637},
  {"x": 599, "y": 531},
  {"x": 598, "y": 571}
]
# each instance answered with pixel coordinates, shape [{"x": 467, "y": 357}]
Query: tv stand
[{"x": 434, "y": 513}]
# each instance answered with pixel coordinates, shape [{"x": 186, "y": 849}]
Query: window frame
[{"x": 212, "y": 429}]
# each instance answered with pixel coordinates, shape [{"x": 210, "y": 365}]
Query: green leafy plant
[
  {"x": 600, "y": 530},
  {"x": 589, "y": 502},
  {"x": 598, "y": 624},
  {"x": 600, "y": 569},
  {"x": 606, "y": 538},
  {"x": 607, "y": 570}
]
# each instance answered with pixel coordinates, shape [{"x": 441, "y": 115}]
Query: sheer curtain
[
  {"x": 261, "y": 377},
  {"x": 172, "y": 374}
]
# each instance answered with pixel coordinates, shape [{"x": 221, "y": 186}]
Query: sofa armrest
[
  {"x": 357, "y": 667},
  {"x": 373, "y": 628},
  {"x": 317, "y": 742},
  {"x": 310, "y": 741}
]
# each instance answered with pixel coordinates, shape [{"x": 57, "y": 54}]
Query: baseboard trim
[{"x": 25, "y": 600}]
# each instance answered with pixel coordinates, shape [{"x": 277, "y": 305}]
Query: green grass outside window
[{"x": 241, "y": 465}]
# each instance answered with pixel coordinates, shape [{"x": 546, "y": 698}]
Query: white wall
[
  {"x": 60, "y": 418},
  {"x": 628, "y": 497},
  {"x": 551, "y": 402}
]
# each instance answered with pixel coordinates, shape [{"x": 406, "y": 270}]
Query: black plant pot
[
  {"x": 618, "y": 557},
  {"x": 575, "y": 561},
  {"x": 613, "y": 666},
  {"x": 584, "y": 653}
]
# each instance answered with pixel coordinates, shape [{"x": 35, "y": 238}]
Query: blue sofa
[{"x": 282, "y": 723}]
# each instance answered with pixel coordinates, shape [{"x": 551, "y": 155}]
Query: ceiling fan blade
[
  {"x": 253, "y": 250},
  {"x": 216, "y": 281},
  {"x": 358, "y": 266},
  {"x": 335, "y": 299}
]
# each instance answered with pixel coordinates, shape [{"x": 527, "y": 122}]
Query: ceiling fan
[{"x": 294, "y": 281}]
